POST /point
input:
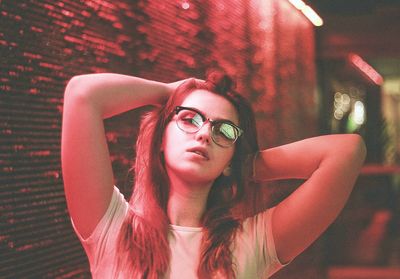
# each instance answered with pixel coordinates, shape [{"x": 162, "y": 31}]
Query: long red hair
[{"x": 143, "y": 248}]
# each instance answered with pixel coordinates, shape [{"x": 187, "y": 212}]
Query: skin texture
[{"x": 191, "y": 175}]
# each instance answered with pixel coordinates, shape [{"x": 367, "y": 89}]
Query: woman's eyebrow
[{"x": 214, "y": 119}]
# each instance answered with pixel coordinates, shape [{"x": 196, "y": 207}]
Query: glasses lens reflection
[{"x": 190, "y": 121}]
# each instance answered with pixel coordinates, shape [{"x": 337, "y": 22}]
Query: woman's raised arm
[
  {"x": 86, "y": 165},
  {"x": 330, "y": 164}
]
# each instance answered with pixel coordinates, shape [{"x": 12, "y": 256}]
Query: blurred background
[{"x": 332, "y": 69}]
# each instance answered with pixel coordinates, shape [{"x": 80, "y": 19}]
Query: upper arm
[
  {"x": 86, "y": 166},
  {"x": 303, "y": 216}
]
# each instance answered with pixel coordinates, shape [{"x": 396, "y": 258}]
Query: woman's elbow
[
  {"x": 75, "y": 87},
  {"x": 359, "y": 149},
  {"x": 363, "y": 151}
]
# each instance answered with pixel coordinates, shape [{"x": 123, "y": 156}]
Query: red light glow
[
  {"x": 308, "y": 12},
  {"x": 185, "y": 5},
  {"x": 366, "y": 69}
]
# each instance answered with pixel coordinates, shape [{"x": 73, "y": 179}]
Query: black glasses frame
[{"x": 212, "y": 122}]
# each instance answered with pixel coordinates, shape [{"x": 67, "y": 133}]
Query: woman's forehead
[{"x": 212, "y": 105}]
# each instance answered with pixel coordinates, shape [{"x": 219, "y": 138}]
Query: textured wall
[{"x": 267, "y": 45}]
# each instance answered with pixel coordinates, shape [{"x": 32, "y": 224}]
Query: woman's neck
[{"x": 187, "y": 202}]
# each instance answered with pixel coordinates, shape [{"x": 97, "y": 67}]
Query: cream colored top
[{"x": 253, "y": 248}]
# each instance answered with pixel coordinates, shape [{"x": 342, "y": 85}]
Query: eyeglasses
[{"x": 223, "y": 132}]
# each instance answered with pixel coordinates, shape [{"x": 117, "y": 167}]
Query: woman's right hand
[{"x": 174, "y": 85}]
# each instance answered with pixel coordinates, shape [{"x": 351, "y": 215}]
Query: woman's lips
[{"x": 200, "y": 151}]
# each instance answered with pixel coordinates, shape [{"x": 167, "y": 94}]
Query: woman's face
[{"x": 195, "y": 157}]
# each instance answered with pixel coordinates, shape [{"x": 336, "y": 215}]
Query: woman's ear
[{"x": 227, "y": 171}]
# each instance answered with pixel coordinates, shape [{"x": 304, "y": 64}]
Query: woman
[{"x": 196, "y": 154}]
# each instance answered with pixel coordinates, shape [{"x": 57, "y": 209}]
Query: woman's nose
[{"x": 204, "y": 134}]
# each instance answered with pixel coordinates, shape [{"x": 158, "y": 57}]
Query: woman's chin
[{"x": 196, "y": 176}]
